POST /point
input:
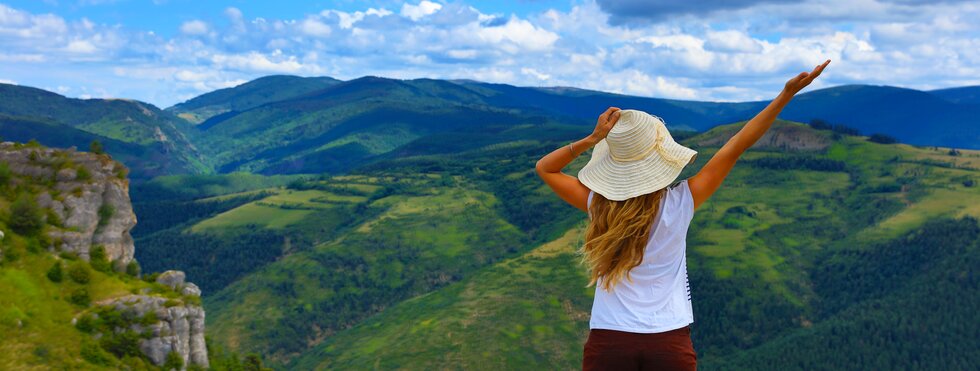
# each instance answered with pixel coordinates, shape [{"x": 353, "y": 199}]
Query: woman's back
[{"x": 658, "y": 298}]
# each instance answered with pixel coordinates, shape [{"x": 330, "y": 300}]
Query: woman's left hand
[
  {"x": 605, "y": 123},
  {"x": 800, "y": 81}
]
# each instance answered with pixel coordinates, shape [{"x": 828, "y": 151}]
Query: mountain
[
  {"x": 151, "y": 141},
  {"x": 911, "y": 116},
  {"x": 963, "y": 95},
  {"x": 292, "y": 125},
  {"x": 346, "y": 124},
  {"x": 897, "y": 112},
  {"x": 248, "y": 95},
  {"x": 456, "y": 255}
]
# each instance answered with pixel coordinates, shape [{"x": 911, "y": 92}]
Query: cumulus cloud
[
  {"x": 742, "y": 50},
  {"x": 423, "y": 9},
  {"x": 195, "y": 27}
]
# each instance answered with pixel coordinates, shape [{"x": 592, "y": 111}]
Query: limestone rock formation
[
  {"x": 180, "y": 328},
  {"x": 90, "y": 196}
]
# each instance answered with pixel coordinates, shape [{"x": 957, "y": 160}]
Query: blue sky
[{"x": 167, "y": 51}]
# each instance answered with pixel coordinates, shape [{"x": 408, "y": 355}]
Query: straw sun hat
[{"x": 637, "y": 157}]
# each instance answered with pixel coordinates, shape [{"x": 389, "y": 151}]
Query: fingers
[
  {"x": 816, "y": 71},
  {"x": 605, "y": 115},
  {"x": 614, "y": 117}
]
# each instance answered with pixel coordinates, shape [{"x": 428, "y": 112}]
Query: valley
[{"x": 378, "y": 223}]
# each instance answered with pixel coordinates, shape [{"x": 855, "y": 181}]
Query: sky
[{"x": 167, "y": 51}]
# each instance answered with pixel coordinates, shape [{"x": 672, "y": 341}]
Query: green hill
[
  {"x": 150, "y": 141},
  {"x": 793, "y": 262},
  {"x": 378, "y": 269},
  {"x": 248, "y": 95}
]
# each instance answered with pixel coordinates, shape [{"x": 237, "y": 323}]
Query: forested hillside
[
  {"x": 149, "y": 141},
  {"x": 440, "y": 247},
  {"x": 384, "y": 223}
]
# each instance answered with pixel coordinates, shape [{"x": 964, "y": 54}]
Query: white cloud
[
  {"x": 735, "y": 54},
  {"x": 416, "y": 12},
  {"x": 515, "y": 36},
  {"x": 195, "y": 27},
  {"x": 258, "y": 62},
  {"x": 5, "y": 81},
  {"x": 81, "y": 46},
  {"x": 314, "y": 27},
  {"x": 534, "y": 73}
]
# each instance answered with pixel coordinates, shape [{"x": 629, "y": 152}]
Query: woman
[{"x": 635, "y": 243}]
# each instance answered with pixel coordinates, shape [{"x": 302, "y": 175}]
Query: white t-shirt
[{"x": 659, "y": 298}]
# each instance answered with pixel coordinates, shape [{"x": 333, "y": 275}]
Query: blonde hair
[{"x": 617, "y": 235}]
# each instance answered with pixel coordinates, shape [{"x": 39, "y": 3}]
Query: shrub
[
  {"x": 82, "y": 174},
  {"x": 79, "y": 273},
  {"x": 80, "y": 297},
  {"x": 96, "y": 147},
  {"x": 95, "y": 355},
  {"x": 54, "y": 219},
  {"x": 98, "y": 259},
  {"x": 105, "y": 213},
  {"x": 122, "y": 344},
  {"x": 5, "y": 174},
  {"x": 86, "y": 323},
  {"x": 882, "y": 138},
  {"x": 133, "y": 268},
  {"x": 55, "y": 274},
  {"x": 25, "y": 215},
  {"x": 42, "y": 351},
  {"x": 174, "y": 361},
  {"x": 33, "y": 156}
]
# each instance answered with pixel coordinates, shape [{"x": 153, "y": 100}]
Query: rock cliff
[
  {"x": 88, "y": 194},
  {"x": 84, "y": 198}
]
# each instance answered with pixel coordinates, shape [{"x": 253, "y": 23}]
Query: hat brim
[{"x": 619, "y": 181}]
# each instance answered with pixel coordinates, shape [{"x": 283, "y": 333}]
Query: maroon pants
[{"x": 620, "y": 350}]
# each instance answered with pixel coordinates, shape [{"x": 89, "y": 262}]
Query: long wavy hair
[{"x": 617, "y": 236}]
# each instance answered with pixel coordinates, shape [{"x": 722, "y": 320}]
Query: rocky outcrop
[
  {"x": 180, "y": 328},
  {"x": 88, "y": 193},
  {"x": 85, "y": 197}
]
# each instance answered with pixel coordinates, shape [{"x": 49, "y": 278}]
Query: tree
[
  {"x": 55, "y": 274},
  {"x": 25, "y": 216},
  {"x": 133, "y": 268},
  {"x": 96, "y": 147},
  {"x": 882, "y": 138}
]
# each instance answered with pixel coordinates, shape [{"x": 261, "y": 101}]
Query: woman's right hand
[
  {"x": 800, "y": 81},
  {"x": 605, "y": 123}
]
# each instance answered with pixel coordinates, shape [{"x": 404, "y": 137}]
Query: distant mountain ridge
[
  {"x": 248, "y": 95},
  {"x": 289, "y": 124},
  {"x": 150, "y": 141},
  {"x": 951, "y": 114}
]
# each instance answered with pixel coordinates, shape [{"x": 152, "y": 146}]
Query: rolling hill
[
  {"x": 248, "y": 95},
  {"x": 150, "y": 141},
  {"x": 405, "y": 281},
  {"x": 383, "y": 223},
  {"x": 965, "y": 94}
]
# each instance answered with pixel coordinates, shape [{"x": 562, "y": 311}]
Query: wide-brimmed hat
[{"x": 637, "y": 157}]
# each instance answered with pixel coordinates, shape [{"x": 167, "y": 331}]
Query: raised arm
[
  {"x": 549, "y": 167},
  {"x": 706, "y": 181}
]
